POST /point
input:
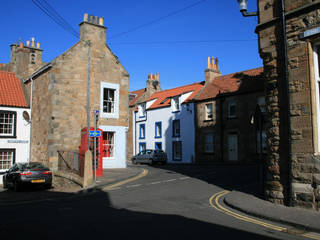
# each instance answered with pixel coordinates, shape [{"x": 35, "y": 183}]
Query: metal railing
[{"x": 69, "y": 161}]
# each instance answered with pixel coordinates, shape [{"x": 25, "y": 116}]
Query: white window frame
[
  {"x": 114, "y": 86},
  {"x": 175, "y": 104},
  {"x": 142, "y": 110},
  {"x": 316, "y": 60},
  {"x": 208, "y": 110},
  {"x": 2, "y": 155},
  {"x": 4, "y": 124}
]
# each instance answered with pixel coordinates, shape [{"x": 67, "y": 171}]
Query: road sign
[{"x": 94, "y": 133}]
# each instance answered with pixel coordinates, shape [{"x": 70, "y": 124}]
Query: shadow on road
[
  {"x": 93, "y": 216},
  {"x": 243, "y": 178}
]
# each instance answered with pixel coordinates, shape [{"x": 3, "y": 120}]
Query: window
[
  {"x": 142, "y": 147},
  {"x": 262, "y": 104},
  {"x": 108, "y": 144},
  {"x": 176, "y": 128},
  {"x": 109, "y": 105},
  {"x": 8, "y": 124},
  {"x": 142, "y": 131},
  {"x": 208, "y": 143},
  {"x": 209, "y": 114},
  {"x": 264, "y": 141},
  {"x": 7, "y": 158},
  {"x": 142, "y": 109},
  {"x": 177, "y": 151},
  {"x": 232, "y": 109},
  {"x": 175, "y": 104},
  {"x": 158, "y": 130},
  {"x": 158, "y": 145}
]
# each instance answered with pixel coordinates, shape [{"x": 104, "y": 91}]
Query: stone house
[
  {"x": 224, "y": 116},
  {"x": 14, "y": 127},
  {"x": 65, "y": 91},
  {"x": 290, "y": 54}
]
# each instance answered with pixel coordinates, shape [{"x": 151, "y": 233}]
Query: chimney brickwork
[
  {"x": 212, "y": 71},
  {"x": 92, "y": 29}
]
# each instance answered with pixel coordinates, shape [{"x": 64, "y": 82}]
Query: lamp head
[{"x": 243, "y": 4}]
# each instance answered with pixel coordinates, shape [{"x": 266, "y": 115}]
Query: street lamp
[{"x": 243, "y": 4}]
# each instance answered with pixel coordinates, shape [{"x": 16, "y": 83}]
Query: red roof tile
[
  {"x": 138, "y": 94},
  {"x": 163, "y": 97},
  {"x": 239, "y": 82},
  {"x": 11, "y": 93}
]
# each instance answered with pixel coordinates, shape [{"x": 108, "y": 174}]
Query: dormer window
[
  {"x": 175, "y": 104},
  {"x": 142, "y": 109}
]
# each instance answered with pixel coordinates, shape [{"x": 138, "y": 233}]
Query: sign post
[{"x": 95, "y": 135}]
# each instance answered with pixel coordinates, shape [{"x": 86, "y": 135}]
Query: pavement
[
  {"x": 300, "y": 218},
  {"x": 297, "y": 217}
]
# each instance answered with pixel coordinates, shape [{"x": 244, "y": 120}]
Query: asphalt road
[{"x": 171, "y": 202}]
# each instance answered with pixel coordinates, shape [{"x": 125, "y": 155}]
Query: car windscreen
[{"x": 33, "y": 166}]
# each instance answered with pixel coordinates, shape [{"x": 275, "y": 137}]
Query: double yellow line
[{"x": 214, "y": 202}]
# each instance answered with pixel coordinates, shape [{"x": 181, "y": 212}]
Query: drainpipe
[
  {"x": 88, "y": 94},
  {"x": 30, "y": 121},
  {"x": 287, "y": 98},
  {"x": 221, "y": 128}
]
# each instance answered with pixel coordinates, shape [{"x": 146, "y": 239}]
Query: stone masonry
[
  {"x": 292, "y": 165},
  {"x": 60, "y": 89}
]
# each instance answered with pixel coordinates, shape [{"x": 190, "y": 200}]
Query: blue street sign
[{"x": 94, "y": 133}]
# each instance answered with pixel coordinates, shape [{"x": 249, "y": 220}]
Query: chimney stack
[
  {"x": 153, "y": 83},
  {"x": 92, "y": 29},
  {"x": 212, "y": 70}
]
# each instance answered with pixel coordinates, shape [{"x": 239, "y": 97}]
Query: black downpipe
[
  {"x": 221, "y": 128},
  {"x": 287, "y": 99}
]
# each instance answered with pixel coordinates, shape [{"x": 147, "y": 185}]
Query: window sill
[
  {"x": 208, "y": 120},
  {"x": 109, "y": 115},
  {"x": 2, "y": 136}
]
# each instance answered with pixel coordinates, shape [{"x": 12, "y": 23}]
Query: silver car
[{"x": 150, "y": 156}]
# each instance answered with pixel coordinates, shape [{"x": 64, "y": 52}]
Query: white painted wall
[
  {"x": 21, "y": 142},
  {"x": 119, "y": 159},
  {"x": 166, "y": 116}
]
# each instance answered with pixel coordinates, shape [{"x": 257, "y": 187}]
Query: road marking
[
  {"x": 169, "y": 180},
  {"x": 184, "y": 178},
  {"x": 112, "y": 186},
  {"x": 214, "y": 202},
  {"x": 153, "y": 183},
  {"x": 133, "y": 186}
]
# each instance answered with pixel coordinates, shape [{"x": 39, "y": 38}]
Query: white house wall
[
  {"x": 166, "y": 117},
  {"x": 21, "y": 142}
]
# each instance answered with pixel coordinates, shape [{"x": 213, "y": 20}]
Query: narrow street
[{"x": 170, "y": 202}]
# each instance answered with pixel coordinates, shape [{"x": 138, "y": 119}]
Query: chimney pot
[
  {"x": 28, "y": 43},
  {"x": 21, "y": 45},
  {"x": 32, "y": 42},
  {"x": 85, "y": 17},
  {"x": 38, "y": 45},
  {"x": 101, "y": 21}
]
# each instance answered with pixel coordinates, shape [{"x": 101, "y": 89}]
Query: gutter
[{"x": 38, "y": 72}]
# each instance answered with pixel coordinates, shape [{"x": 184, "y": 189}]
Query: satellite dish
[{"x": 26, "y": 116}]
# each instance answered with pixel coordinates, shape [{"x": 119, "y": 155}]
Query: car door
[{"x": 11, "y": 174}]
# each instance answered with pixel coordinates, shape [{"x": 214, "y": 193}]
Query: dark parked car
[
  {"x": 22, "y": 174},
  {"x": 150, "y": 156}
]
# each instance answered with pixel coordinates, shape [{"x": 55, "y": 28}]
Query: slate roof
[
  {"x": 234, "y": 83},
  {"x": 11, "y": 93}
]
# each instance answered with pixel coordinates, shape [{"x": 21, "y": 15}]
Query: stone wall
[
  {"x": 290, "y": 177},
  {"x": 221, "y": 126}
]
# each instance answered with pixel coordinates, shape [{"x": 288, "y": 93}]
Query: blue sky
[{"x": 176, "y": 46}]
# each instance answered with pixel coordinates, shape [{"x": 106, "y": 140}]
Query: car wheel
[
  {"x": 48, "y": 186},
  {"x": 16, "y": 186},
  {"x": 134, "y": 162},
  {"x": 151, "y": 161}
]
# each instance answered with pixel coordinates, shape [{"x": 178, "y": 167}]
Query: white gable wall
[
  {"x": 21, "y": 142},
  {"x": 166, "y": 117}
]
